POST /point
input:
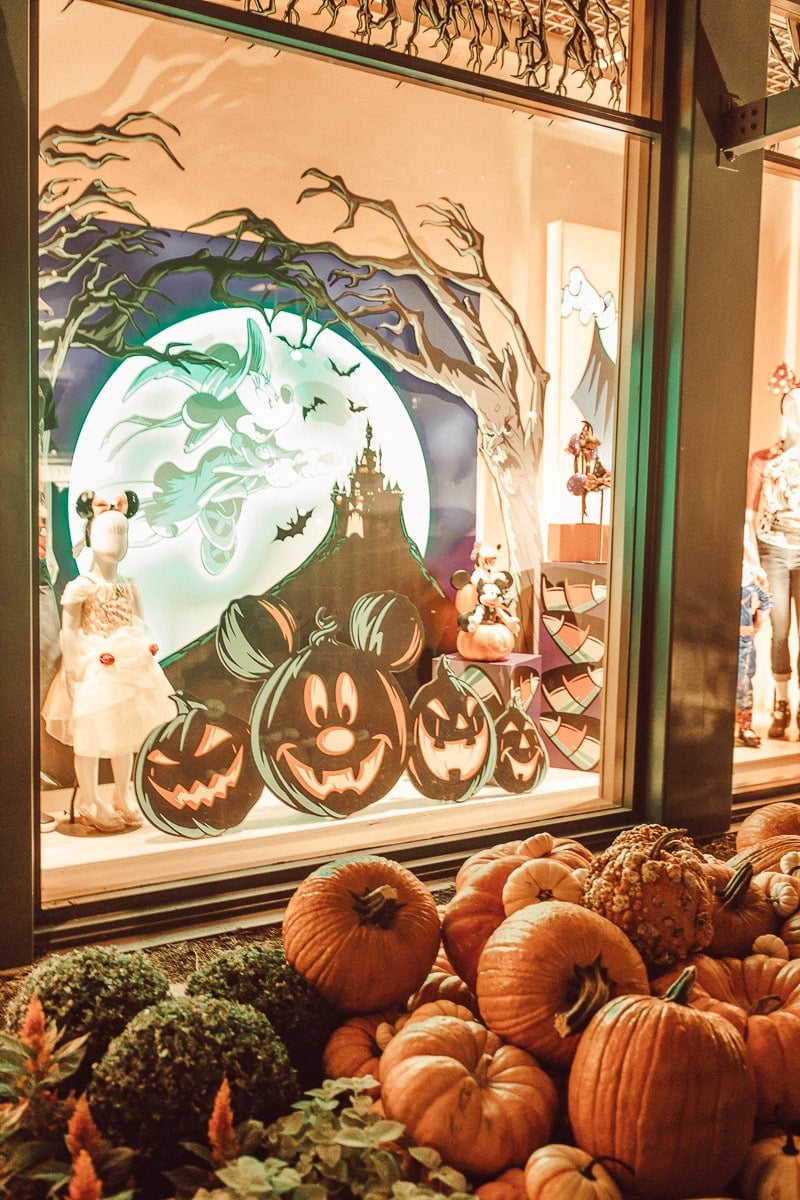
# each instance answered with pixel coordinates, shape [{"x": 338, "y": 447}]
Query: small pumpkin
[
  {"x": 194, "y": 776},
  {"x": 539, "y": 880},
  {"x": 558, "y": 1172},
  {"x": 509, "y": 1185},
  {"x": 789, "y": 933},
  {"x": 484, "y": 1105},
  {"x": 782, "y": 889},
  {"x": 443, "y": 983},
  {"x": 490, "y": 641},
  {"x": 546, "y": 969},
  {"x": 772, "y": 945},
  {"x": 771, "y": 1169},
  {"x": 667, "y": 1090},
  {"x": 354, "y": 1048},
  {"x": 363, "y": 932},
  {"x": 541, "y": 844}
]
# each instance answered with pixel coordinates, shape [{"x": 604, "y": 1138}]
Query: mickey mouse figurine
[
  {"x": 482, "y": 598},
  {"x": 109, "y": 691}
]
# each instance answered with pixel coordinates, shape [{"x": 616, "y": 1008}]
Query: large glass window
[{"x": 332, "y": 357}]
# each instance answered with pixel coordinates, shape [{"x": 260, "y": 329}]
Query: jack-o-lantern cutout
[
  {"x": 194, "y": 776},
  {"x": 254, "y": 634},
  {"x": 329, "y": 727},
  {"x": 454, "y": 745},
  {"x": 522, "y": 761}
]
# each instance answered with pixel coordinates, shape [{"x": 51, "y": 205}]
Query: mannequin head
[
  {"x": 790, "y": 418},
  {"x": 107, "y": 523}
]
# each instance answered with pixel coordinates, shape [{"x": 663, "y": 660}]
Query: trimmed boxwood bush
[
  {"x": 95, "y": 990},
  {"x": 262, "y": 976},
  {"x": 156, "y": 1084}
]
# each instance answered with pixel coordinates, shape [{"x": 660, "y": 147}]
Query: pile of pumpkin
[{"x": 570, "y": 1024}]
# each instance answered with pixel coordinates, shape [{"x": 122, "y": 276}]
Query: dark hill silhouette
[{"x": 367, "y": 548}]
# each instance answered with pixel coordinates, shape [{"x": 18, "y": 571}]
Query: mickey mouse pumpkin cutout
[{"x": 329, "y": 725}]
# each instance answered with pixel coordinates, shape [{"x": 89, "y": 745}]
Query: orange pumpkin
[
  {"x": 537, "y": 881},
  {"x": 558, "y": 1172},
  {"x": 363, "y": 932},
  {"x": 767, "y": 855},
  {"x": 547, "y": 969},
  {"x": 666, "y": 1089},
  {"x": 443, "y": 983},
  {"x": 541, "y": 844},
  {"x": 771, "y": 1170},
  {"x": 789, "y": 933},
  {"x": 355, "y": 1047},
  {"x": 509, "y": 1185},
  {"x": 476, "y": 909},
  {"x": 760, "y": 996},
  {"x": 741, "y": 911},
  {"x": 484, "y": 1105},
  {"x": 782, "y": 816}
]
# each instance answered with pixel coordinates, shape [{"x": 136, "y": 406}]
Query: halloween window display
[
  {"x": 488, "y": 628},
  {"x": 109, "y": 691},
  {"x": 772, "y": 535}
]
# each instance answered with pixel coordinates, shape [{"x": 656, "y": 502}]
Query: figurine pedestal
[{"x": 522, "y": 671}]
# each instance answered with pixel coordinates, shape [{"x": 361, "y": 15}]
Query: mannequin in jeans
[{"x": 772, "y": 535}]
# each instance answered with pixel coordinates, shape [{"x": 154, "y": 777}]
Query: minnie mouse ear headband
[
  {"x": 89, "y": 504},
  {"x": 782, "y": 380}
]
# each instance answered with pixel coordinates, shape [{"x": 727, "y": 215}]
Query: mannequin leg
[
  {"x": 91, "y": 809},
  {"x": 124, "y": 804}
]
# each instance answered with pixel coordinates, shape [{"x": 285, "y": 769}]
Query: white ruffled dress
[{"x": 120, "y": 692}]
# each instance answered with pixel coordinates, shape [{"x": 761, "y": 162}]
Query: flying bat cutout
[
  {"x": 294, "y": 527},
  {"x": 343, "y": 371},
  {"x": 315, "y": 403},
  {"x": 356, "y": 408}
]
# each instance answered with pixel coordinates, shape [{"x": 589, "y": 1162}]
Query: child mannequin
[{"x": 110, "y": 691}]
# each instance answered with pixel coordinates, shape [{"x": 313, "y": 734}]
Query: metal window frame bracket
[{"x": 753, "y": 126}]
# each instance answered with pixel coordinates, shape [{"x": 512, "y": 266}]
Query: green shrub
[
  {"x": 93, "y": 991},
  {"x": 262, "y": 976},
  {"x": 156, "y": 1084}
]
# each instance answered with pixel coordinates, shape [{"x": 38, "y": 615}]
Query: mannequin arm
[{"x": 750, "y": 540}]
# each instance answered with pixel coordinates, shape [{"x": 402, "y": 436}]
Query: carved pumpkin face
[
  {"x": 453, "y": 739},
  {"x": 195, "y": 776},
  {"x": 329, "y": 729},
  {"x": 521, "y": 756}
]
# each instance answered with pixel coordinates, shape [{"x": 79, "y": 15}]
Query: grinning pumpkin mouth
[
  {"x": 199, "y": 794},
  {"x": 453, "y": 761},
  {"x": 321, "y": 783}
]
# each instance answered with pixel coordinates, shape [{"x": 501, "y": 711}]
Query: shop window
[{"x": 337, "y": 355}]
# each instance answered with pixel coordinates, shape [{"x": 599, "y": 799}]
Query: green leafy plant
[
  {"x": 262, "y": 976},
  {"x": 48, "y": 1140},
  {"x": 333, "y": 1145},
  {"x": 92, "y": 993},
  {"x": 156, "y": 1084}
]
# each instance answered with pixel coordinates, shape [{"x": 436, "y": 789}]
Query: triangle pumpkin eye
[
  {"x": 213, "y": 736},
  {"x": 158, "y": 758}
]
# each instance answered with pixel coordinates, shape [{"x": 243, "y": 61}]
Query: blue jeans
[{"x": 782, "y": 567}]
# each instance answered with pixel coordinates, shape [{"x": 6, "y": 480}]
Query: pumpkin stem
[
  {"x": 666, "y": 839},
  {"x": 481, "y": 1072},
  {"x": 591, "y": 990},
  {"x": 766, "y": 1005},
  {"x": 679, "y": 990},
  {"x": 790, "y": 1145},
  {"x": 327, "y": 625},
  {"x": 588, "y": 1173},
  {"x": 377, "y": 907},
  {"x": 732, "y": 896}
]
